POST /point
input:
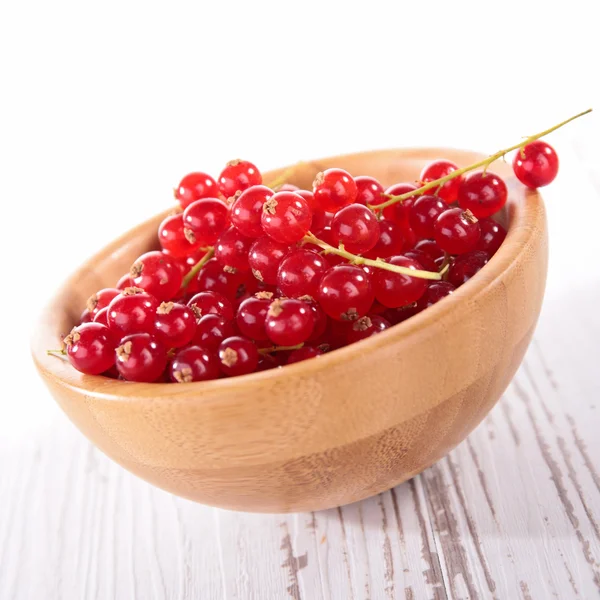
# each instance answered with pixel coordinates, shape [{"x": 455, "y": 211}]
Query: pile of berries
[{"x": 250, "y": 277}]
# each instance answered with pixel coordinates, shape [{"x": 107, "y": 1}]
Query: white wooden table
[{"x": 513, "y": 512}]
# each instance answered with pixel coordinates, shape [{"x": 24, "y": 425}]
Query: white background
[{"x": 104, "y": 106}]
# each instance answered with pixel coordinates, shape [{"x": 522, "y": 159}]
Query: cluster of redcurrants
[{"x": 249, "y": 278}]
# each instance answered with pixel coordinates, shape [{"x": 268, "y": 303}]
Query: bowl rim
[{"x": 525, "y": 209}]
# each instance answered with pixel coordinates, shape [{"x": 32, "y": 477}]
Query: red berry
[
  {"x": 124, "y": 282},
  {"x": 457, "y": 231},
  {"x": 334, "y": 189},
  {"x": 483, "y": 194},
  {"x": 132, "y": 311},
  {"x": 345, "y": 293},
  {"x": 90, "y": 348},
  {"x": 319, "y": 217},
  {"x": 390, "y": 242},
  {"x": 286, "y": 217},
  {"x": 265, "y": 257},
  {"x": 396, "y": 289},
  {"x": 300, "y": 273},
  {"x": 206, "y": 219},
  {"x": 193, "y": 363},
  {"x": 101, "y": 299},
  {"x": 430, "y": 248},
  {"x": 400, "y": 314},
  {"x": 465, "y": 266},
  {"x": 422, "y": 258},
  {"x": 435, "y": 291},
  {"x": 174, "y": 324},
  {"x": 437, "y": 169},
  {"x": 366, "y": 327},
  {"x": 207, "y": 303},
  {"x": 246, "y": 211},
  {"x": 319, "y": 316},
  {"x": 536, "y": 165},
  {"x": 194, "y": 187},
  {"x": 252, "y": 314},
  {"x": 302, "y": 354},
  {"x": 424, "y": 213},
  {"x": 238, "y": 356},
  {"x": 368, "y": 191},
  {"x": 356, "y": 227},
  {"x": 289, "y": 322},
  {"x": 213, "y": 278},
  {"x": 173, "y": 237},
  {"x": 141, "y": 357},
  {"x": 101, "y": 316},
  {"x": 232, "y": 248},
  {"x": 492, "y": 236},
  {"x": 211, "y": 330},
  {"x": 400, "y": 211},
  {"x": 157, "y": 274},
  {"x": 238, "y": 175}
]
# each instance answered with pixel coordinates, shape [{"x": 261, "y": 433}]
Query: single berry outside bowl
[{"x": 331, "y": 430}]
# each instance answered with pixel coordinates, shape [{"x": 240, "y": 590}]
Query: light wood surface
[
  {"x": 512, "y": 513},
  {"x": 324, "y": 432}
]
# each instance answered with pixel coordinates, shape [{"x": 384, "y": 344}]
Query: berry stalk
[
  {"x": 359, "y": 260},
  {"x": 485, "y": 163},
  {"x": 196, "y": 268}
]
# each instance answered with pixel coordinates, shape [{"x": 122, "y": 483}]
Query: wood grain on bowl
[{"x": 331, "y": 430}]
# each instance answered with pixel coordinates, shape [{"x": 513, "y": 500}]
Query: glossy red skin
[
  {"x": 336, "y": 190},
  {"x": 422, "y": 258},
  {"x": 436, "y": 290},
  {"x": 288, "y": 220},
  {"x": 232, "y": 249},
  {"x": 147, "y": 360},
  {"x": 101, "y": 316},
  {"x": 300, "y": 273},
  {"x": 212, "y": 278},
  {"x": 101, "y": 299},
  {"x": 437, "y": 169},
  {"x": 176, "y": 328},
  {"x": 466, "y": 266},
  {"x": 264, "y": 258},
  {"x": 492, "y": 236},
  {"x": 211, "y": 330},
  {"x": 247, "y": 356},
  {"x": 160, "y": 275},
  {"x": 292, "y": 325},
  {"x": 303, "y": 353},
  {"x": 356, "y": 227},
  {"x": 320, "y": 320},
  {"x": 320, "y": 218},
  {"x": 238, "y": 175},
  {"x": 94, "y": 350},
  {"x": 424, "y": 213},
  {"x": 208, "y": 303},
  {"x": 247, "y": 210},
  {"x": 171, "y": 236},
  {"x": 368, "y": 191},
  {"x": 129, "y": 314},
  {"x": 455, "y": 233},
  {"x": 400, "y": 211},
  {"x": 195, "y": 186},
  {"x": 124, "y": 282},
  {"x": 390, "y": 242},
  {"x": 251, "y": 316},
  {"x": 536, "y": 165},
  {"x": 482, "y": 194},
  {"x": 196, "y": 362},
  {"x": 345, "y": 287},
  {"x": 207, "y": 219},
  {"x": 430, "y": 248},
  {"x": 357, "y": 333},
  {"x": 396, "y": 289}
]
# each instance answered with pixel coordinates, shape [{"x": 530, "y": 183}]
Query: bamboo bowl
[{"x": 331, "y": 430}]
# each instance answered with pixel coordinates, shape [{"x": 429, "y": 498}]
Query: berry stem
[
  {"x": 485, "y": 163},
  {"x": 196, "y": 268},
  {"x": 359, "y": 260},
  {"x": 445, "y": 264},
  {"x": 279, "y": 349},
  {"x": 56, "y": 353},
  {"x": 279, "y": 181}
]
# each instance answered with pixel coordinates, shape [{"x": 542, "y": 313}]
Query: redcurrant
[
  {"x": 141, "y": 357},
  {"x": 247, "y": 210},
  {"x": 132, "y": 311},
  {"x": 356, "y": 227},
  {"x": 206, "y": 303},
  {"x": 157, "y": 274},
  {"x": 90, "y": 348},
  {"x": 345, "y": 293},
  {"x": 465, "y": 266},
  {"x": 366, "y": 327},
  {"x": 194, "y": 187},
  {"x": 437, "y": 169},
  {"x": 173, "y": 239},
  {"x": 237, "y": 356},
  {"x": 232, "y": 248},
  {"x": 536, "y": 165},
  {"x": 289, "y": 322},
  {"x": 286, "y": 217},
  {"x": 396, "y": 289},
  {"x": 483, "y": 194},
  {"x": 492, "y": 236},
  {"x": 265, "y": 257},
  {"x": 174, "y": 324},
  {"x": 334, "y": 189},
  {"x": 193, "y": 363},
  {"x": 423, "y": 215},
  {"x": 457, "y": 231},
  {"x": 300, "y": 273},
  {"x": 238, "y": 175},
  {"x": 205, "y": 221}
]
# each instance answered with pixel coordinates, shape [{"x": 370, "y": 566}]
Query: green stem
[
  {"x": 279, "y": 349},
  {"x": 59, "y": 353},
  {"x": 359, "y": 260},
  {"x": 196, "y": 268},
  {"x": 482, "y": 163}
]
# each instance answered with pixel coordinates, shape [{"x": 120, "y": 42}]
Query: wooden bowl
[{"x": 326, "y": 431}]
